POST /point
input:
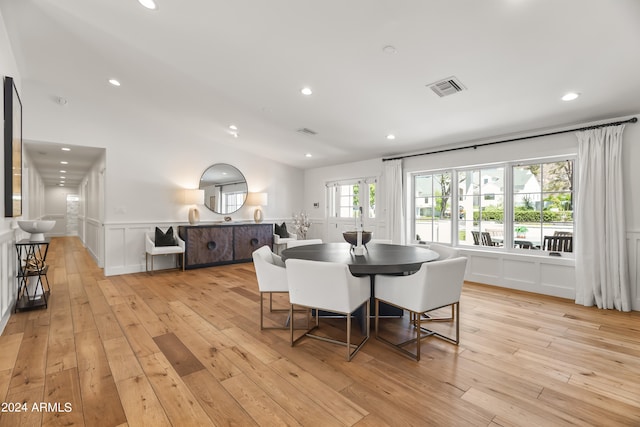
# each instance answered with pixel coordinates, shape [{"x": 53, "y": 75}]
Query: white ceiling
[{"x": 207, "y": 64}]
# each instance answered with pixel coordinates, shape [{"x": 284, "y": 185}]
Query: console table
[
  {"x": 32, "y": 268},
  {"x": 209, "y": 245}
]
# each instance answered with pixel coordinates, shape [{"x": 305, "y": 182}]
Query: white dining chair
[
  {"x": 436, "y": 285},
  {"x": 272, "y": 277},
  {"x": 330, "y": 287},
  {"x": 294, "y": 243},
  {"x": 444, "y": 251}
]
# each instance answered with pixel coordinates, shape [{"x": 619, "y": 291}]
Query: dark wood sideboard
[{"x": 209, "y": 245}]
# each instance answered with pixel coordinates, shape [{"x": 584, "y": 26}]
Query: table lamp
[
  {"x": 194, "y": 197},
  {"x": 258, "y": 200}
]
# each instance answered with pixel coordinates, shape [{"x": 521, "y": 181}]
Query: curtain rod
[{"x": 475, "y": 146}]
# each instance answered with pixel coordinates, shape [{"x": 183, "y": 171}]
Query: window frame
[
  {"x": 508, "y": 197},
  {"x": 334, "y": 195}
]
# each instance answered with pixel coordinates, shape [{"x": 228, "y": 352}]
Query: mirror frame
[{"x": 213, "y": 176}]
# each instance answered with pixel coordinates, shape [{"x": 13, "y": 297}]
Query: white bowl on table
[{"x": 37, "y": 228}]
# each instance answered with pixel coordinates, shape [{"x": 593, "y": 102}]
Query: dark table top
[{"x": 378, "y": 258}]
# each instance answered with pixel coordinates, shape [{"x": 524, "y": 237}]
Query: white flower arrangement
[{"x": 301, "y": 224}]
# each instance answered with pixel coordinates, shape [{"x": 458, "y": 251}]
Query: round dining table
[{"x": 378, "y": 258}]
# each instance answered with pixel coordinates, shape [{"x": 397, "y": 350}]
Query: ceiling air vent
[
  {"x": 448, "y": 86},
  {"x": 307, "y": 131}
]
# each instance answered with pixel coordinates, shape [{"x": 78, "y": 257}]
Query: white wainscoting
[
  {"x": 8, "y": 272},
  {"x": 124, "y": 247},
  {"x": 93, "y": 237},
  {"x": 532, "y": 273}
]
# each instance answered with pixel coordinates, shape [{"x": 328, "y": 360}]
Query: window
[
  {"x": 512, "y": 205},
  {"x": 346, "y": 198},
  {"x": 481, "y": 205},
  {"x": 432, "y": 205},
  {"x": 542, "y": 201},
  {"x": 233, "y": 201}
]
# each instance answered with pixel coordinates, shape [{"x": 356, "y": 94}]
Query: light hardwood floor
[{"x": 184, "y": 348}]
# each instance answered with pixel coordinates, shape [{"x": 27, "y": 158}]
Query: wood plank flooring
[{"x": 185, "y": 349}]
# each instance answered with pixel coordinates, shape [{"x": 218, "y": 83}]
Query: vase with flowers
[{"x": 301, "y": 224}]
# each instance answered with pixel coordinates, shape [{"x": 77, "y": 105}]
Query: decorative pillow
[
  {"x": 281, "y": 230},
  {"x": 166, "y": 238}
]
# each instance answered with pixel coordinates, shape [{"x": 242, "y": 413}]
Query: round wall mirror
[{"x": 225, "y": 188}]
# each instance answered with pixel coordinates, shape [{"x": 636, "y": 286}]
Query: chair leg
[
  {"x": 350, "y": 354},
  {"x": 455, "y": 317},
  {"x": 414, "y": 320},
  {"x": 275, "y": 310}
]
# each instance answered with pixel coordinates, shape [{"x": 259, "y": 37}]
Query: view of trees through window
[
  {"x": 540, "y": 204},
  {"x": 346, "y": 199}
]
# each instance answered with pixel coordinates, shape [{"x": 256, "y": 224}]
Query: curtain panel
[
  {"x": 602, "y": 276},
  {"x": 393, "y": 200}
]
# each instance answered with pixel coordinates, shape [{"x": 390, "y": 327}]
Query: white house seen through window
[{"x": 520, "y": 206}]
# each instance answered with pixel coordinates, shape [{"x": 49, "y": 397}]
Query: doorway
[{"x": 73, "y": 206}]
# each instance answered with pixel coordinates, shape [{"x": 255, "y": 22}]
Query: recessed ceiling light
[
  {"x": 149, "y": 4},
  {"x": 64, "y": 163},
  {"x": 570, "y": 96},
  {"x": 63, "y": 177},
  {"x": 233, "y": 127},
  {"x": 389, "y": 49},
  {"x": 308, "y": 155},
  {"x": 61, "y": 185},
  {"x": 114, "y": 82},
  {"x": 306, "y": 91},
  {"x": 63, "y": 171},
  {"x": 391, "y": 136},
  {"x": 66, "y": 149}
]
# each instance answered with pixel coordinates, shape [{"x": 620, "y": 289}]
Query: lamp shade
[
  {"x": 257, "y": 199},
  {"x": 193, "y": 197}
]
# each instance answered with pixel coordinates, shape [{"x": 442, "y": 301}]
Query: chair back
[
  {"x": 270, "y": 270},
  {"x": 486, "y": 238},
  {"x": 558, "y": 243},
  {"x": 562, "y": 233},
  {"x": 295, "y": 243},
  {"x": 326, "y": 286},
  {"x": 443, "y": 282},
  {"x": 445, "y": 252},
  {"x": 476, "y": 237}
]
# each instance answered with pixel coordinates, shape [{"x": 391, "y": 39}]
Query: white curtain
[
  {"x": 393, "y": 206},
  {"x": 601, "y": 255}
]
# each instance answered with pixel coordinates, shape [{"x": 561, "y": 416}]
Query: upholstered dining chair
[
  {"x": 444, "y": 251},
  {"x": 294, "y": 243},
  {"x": 436, "y": 285},
  {"x": 272, "y": 277},
  {"x": 330, "y": 287},
  {"x": 152, "y": 250}
]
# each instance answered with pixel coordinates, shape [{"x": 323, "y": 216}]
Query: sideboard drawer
[
  {"x": 208, "y": 245},
  {"x": 250, "y": 237}
]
